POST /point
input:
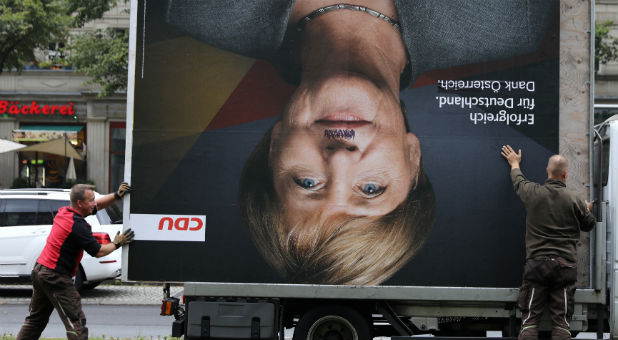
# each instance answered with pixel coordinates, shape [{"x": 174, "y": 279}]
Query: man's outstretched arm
[
  {"x": 106, "y": 200},
  {"x": 521, "y": 184}
]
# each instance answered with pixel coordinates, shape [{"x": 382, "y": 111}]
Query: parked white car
[{"x": 26, "y": 217}]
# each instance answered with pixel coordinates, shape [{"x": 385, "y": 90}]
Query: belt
[
  {"x": 38, "y": 267},
  {"x": 546, "y": 258},
  {"x": 560, "y": 259}
]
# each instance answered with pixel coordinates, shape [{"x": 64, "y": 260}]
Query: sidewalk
[{"x": 104, "y": 294}]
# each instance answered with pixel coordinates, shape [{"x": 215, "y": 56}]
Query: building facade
[
  {"x": 606, "y": 80},
  {"x": 37, "y": 105}
]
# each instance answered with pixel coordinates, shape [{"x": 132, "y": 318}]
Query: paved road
[
  {"x": 102, "y": 295},
  {"x": 111, "y": 310},
  {"x": 103, "y": 321}
]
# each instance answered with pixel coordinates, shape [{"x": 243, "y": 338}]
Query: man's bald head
[{"x": 557, "y": 167}]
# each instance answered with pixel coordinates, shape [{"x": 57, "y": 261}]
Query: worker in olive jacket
[{"x": 554, "y": 218}]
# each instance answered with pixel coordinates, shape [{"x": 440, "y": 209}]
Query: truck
[{"x": 273, "y": 223}]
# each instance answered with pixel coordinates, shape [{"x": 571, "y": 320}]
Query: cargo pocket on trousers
[
  {"x": 568, "y": 271},
  {"x": 534, "y": 270}
]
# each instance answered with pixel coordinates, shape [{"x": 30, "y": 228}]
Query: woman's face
[{"x": 341, "y": 148}]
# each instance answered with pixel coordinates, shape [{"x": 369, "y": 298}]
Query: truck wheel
[{"x": 332, "y": 322}]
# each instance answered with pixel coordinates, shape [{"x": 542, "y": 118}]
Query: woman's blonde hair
[{"x": 341, "y": 249}]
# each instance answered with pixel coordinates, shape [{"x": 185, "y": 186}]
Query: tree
[
  {"x": 104, "y": 56},
  {"x": 26, "y": 25},
  {"x": 606, "y": 46}
]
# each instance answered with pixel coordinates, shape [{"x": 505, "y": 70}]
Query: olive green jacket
[{"x": 555, "y": 216}]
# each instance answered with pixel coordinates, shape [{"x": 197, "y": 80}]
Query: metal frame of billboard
[
  {"x": 126, "y": 208},
  {"x": 400, "y": 293}
]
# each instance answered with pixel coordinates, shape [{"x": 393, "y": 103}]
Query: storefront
[
  {"x": 92, "y": 126},
  {"x": 55, "y": 168},
  {"x": 43, "y": 104}
]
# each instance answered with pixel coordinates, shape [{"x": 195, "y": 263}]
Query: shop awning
[
  {"x": 60, "y": 146},
  {"x": 7, "y": 146},
  {"x": 40, "y": 133}
]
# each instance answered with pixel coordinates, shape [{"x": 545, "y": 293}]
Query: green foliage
[
  {"x": 104, "y": 56},
  {"x": 52, "y": 65},
  {"x": 606, "y": 46},
  {"x": 26, "y": 25}
]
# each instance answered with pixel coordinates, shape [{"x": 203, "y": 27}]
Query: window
[
  {"x": 54, "y": 52},
  {"x": 53, "y": 57},
  {"x": 116, "y": 154},
  {"x": 18, "y": 212},
  {"x": 56, "y": 204},
  {"x": 111, "y": 215},
  {"x": 21, "y": 212},
  {"x": 604, "y": 111}
]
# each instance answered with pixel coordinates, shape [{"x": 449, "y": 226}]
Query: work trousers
[
  {"x": 547, "y": 281},
  {"x": 50, "y": 290}
]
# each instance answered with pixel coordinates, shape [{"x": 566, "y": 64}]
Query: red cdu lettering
[
  {"x": 185, "y": 223},
  {"x": 168, "y": 220},
  {"x": 200, "y": 224}
]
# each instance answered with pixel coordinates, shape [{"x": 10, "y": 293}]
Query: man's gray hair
[
  {"x": 557, "y": 164},
  {"x": 78, "y": 192}
]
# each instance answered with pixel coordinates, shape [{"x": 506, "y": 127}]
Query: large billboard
[{"x": 275, "y": 142}]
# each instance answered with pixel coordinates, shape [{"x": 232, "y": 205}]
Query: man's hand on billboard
[
  {"x": 123, "y": 189},
  {"x": 511, "y": 157},
  {"x": 124, "y": 238},
  {"x": 119, "y": 241},
  {"x": 106, "y": 200}
]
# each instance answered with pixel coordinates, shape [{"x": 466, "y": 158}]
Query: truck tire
[{"x": 332, "y": 322}]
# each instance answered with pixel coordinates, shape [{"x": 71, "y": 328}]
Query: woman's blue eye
[
  {"x": 306, "y": 183},
  {"x": 372, "y": 189}
]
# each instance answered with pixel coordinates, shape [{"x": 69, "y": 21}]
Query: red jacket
[{"x": 69, "y": 237}]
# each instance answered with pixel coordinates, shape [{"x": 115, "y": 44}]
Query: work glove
[
  {"x": 124, "y": 238},
  {"x": 123, "y": 189}
]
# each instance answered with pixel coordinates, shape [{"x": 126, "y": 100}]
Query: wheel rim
[{"x": 332, "y": 327}]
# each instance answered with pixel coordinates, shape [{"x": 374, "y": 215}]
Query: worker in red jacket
[{"x": 52, "y": 286}]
